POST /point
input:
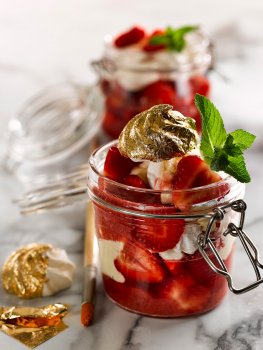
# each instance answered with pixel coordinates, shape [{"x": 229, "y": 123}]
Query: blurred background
[{"x": 47, "y": 42}]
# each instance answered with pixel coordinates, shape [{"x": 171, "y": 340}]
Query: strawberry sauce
[
  {"x": 190, "y": 288},
  {"x": 152, "y": 285},
  {"x": 151, "y": 265}
]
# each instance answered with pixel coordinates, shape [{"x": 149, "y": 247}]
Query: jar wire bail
[{"x": 205, "y": 241}]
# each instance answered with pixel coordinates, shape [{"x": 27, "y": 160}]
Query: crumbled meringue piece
[
  {"x": 60, "y": 271},
  {"x": 160, "y": 175}
]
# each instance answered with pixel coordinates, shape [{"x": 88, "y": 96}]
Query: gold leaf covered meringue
[
  {"x": 37, "y": 270},
  {"x": 24, "y": 272},
  {"x": 157, "y": 134}
]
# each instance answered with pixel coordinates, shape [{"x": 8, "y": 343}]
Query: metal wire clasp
[{"x": 204, "y": 241}]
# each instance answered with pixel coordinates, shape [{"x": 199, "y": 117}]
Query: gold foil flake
[
  {"x": 24, "y": 272},
  {"x": 33, "y": 326},
  {"x": 158, "y": 133}
]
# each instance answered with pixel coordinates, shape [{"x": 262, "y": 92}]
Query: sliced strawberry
[
  {"x": 148, "y": 47},
  {"x": 135, "y": 181},
  {"x": 105, "y": 86},
  {"x": 176, "y": 267},
  {"x": 158, "y": 235},
  {"x": 200, "y": 85},
  {"x": 112, "y": 226},
  {"x": 202, "y": 272},
  {"x": 131, "y": 37},
  {"x": 112, "y": 124},
  {"x": 129, "y": 296},
  {"x": 120, "y": 106},
  {"x": 188, "y": 169},
  {"x": 117, "y": 167},
  {"x": 190, "y": 297},
  {"x": 193, "y": 172},
  {"x": 158, "y": 92},
  {"x": 133, "y": 199},
  {"x": 116, "y": 96},
  {"x": 138, "y": 264}
]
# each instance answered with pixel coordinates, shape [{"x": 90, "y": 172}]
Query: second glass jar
[{"x": 132, "y": 80}]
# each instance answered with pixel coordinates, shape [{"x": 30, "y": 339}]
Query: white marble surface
[{"x": 48, "y": 42}]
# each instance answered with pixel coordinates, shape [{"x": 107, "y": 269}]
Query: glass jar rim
[
  {"x": 110, "y": 66},
  {"x": 228, "y": 179}
]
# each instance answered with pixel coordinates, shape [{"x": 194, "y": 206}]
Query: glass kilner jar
[
  {"x": 159, "y": 261},
  {"x": 139, "y": 70},
  {"x": 156, "y": 260}
]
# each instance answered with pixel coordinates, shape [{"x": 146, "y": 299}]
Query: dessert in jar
[
  {"x": 153, "y": 191},
  {"x": 140, "y": 69}
]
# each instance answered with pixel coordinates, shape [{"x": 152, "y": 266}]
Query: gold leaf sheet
[{"x": 32, "y": 337}]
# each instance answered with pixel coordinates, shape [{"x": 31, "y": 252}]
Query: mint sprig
[
  {"x": 220, "y": 150},
  {"x": 172, "y": 39}
]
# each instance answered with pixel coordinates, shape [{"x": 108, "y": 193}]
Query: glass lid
[{"x": 53, "y": 125}]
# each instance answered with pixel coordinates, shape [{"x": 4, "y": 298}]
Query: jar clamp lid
[{"x": 205, "y": 241}]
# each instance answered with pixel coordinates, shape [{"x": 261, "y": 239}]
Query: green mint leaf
[
  {"x": 220, "y": 150},
  {"x": 237, "y": 169},
  {"x": 220, "y": 160},
  {"x": 213, "y": 131},
  {"x": 243, "y": 139},
  {"x": 173, "y": 39},
  {"x": 159, "y": 39},
  {"x": 231, "y": 148}
]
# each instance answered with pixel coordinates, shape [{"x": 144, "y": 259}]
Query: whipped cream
[
  {"x": 141, "y": 170},
  {"x": 109, "y": 251},
  {"x": 187, "y": 243},
  {"x": 60, "y": 271},
  {"x": 195, "y": 56},
  {"x": 161, "y": 174}
]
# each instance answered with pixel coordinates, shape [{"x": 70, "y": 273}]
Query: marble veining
[
  {"x": 129, "y": 341},
  {"x": 245, "y": 335}
]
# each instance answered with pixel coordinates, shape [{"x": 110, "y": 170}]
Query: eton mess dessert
[
  {"x": 153, "y": 191},
  {"x": 140, "y": 69}
]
